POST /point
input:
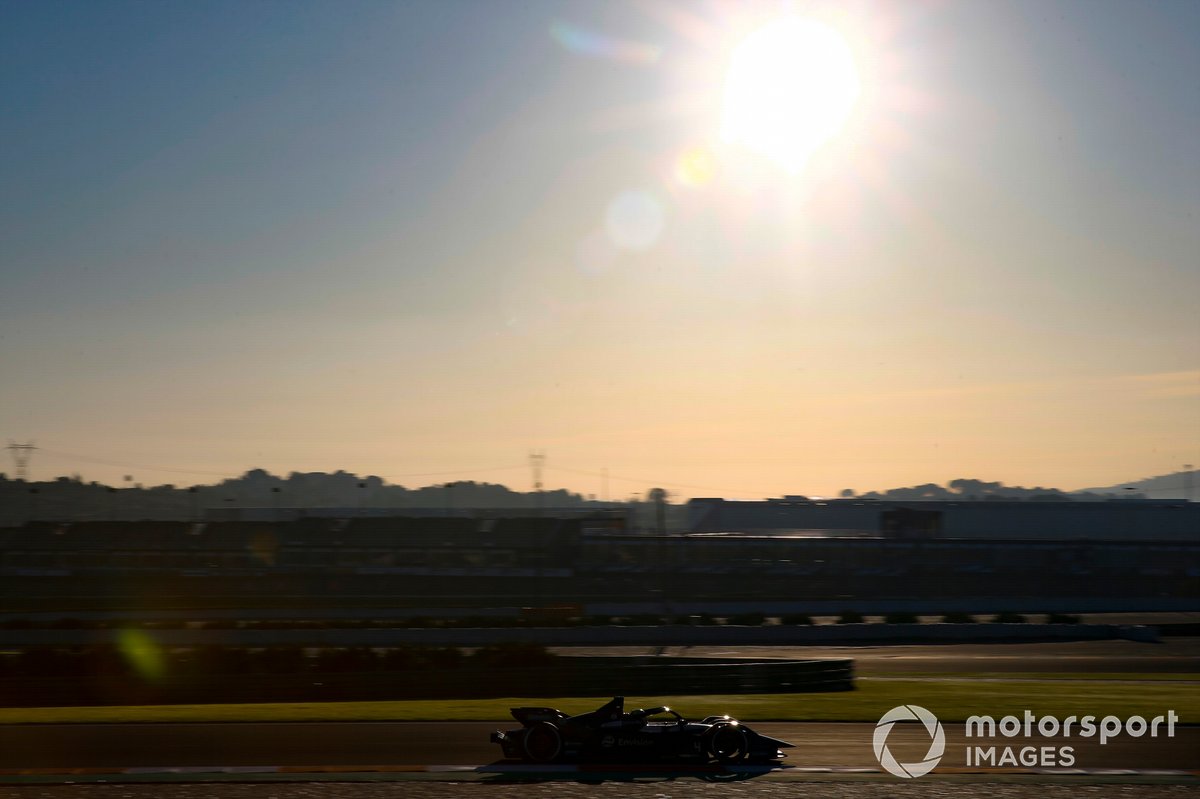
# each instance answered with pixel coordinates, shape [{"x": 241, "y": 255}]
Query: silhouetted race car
[{"x": 609, "y": 733}]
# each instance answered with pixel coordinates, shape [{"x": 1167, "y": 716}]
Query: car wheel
[
  {"x": 543, "y": 742},
  {"x": 727, "y": 743}
]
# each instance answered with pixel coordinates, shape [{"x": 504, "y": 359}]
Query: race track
[
  {"x": 401, "y": 749},
  {"x": 466, "y": 743},
  {"x": 927, "y": 788}
]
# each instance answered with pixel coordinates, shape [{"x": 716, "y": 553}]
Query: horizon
[
  {"x": 427, "y": 239},
  {"x": 672, "y": 496}
]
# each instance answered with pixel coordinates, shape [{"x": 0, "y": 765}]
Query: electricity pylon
[{"x": 21, "y": 454}]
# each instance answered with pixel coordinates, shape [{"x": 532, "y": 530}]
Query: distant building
[
  {"x": 937, "y": 554},
  {"x": 1118, "y": 519}
]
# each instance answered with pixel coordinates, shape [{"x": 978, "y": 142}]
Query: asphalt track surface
[
  {"x": 342, "y": 745},
  {"x": 466, "y": 743},
  {"x": 925, "y": 788}
]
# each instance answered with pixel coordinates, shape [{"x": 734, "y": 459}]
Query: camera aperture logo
[
  {"x": 937, "y": 745},
  {"x": 1024, "y": 751}
]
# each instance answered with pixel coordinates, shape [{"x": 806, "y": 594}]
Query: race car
[{"x": 656, "y": 734}]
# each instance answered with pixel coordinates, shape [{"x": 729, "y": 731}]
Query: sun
[{"x": 790, "y": 87}]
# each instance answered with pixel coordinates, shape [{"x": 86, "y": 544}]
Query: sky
[{"x": 730, "y": 249}]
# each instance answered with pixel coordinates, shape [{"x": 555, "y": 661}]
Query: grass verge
[{"x": 950, "y": 699}]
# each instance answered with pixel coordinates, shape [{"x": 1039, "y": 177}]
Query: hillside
[{"x": 1166, "y": 486}]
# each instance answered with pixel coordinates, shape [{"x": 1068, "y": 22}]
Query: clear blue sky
[{"x": 415, "y": 237}]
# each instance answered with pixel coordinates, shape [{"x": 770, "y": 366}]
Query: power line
[
  {"x": 464, "y": 471},
  {"x": 127, "y": 465},
  {"x": 605, "y": 474},
  {"x": 537, "y": 460}
]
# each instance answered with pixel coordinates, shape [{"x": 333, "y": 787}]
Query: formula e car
[{"x": 609, "y": 733}]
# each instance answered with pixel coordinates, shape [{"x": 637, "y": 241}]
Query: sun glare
[{"x": 790, "y": 88}]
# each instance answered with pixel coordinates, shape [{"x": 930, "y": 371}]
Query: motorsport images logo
[
  {"x": 937, "y": 745},
  {"x": 1021, "y": 753}
]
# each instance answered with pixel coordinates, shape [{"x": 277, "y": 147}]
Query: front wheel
[
  {"x": 727, "y": 743},
  {"x": 543, "y": 742}
]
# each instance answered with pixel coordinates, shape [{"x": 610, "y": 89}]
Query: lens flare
[
  {"x": 264, "y": 546},
  {"x": 635, "y": 220},
  {"x": 596, "y": 45},
  {"x": 695, "y": 167},
  {"x": 142, "y": 653}
]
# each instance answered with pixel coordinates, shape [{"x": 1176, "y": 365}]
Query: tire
[
  {"x": 727, "y": 743},
  {"x": 542, "y": 743}
]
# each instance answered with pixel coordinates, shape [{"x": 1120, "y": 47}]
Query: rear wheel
[
  {"x": 543, "y": 742},
  {"x": 727, "y": 743}
]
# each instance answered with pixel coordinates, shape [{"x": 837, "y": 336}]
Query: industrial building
[
  {"x": 1113, "y": 520},
  {"x": 490, "y": 562}
]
